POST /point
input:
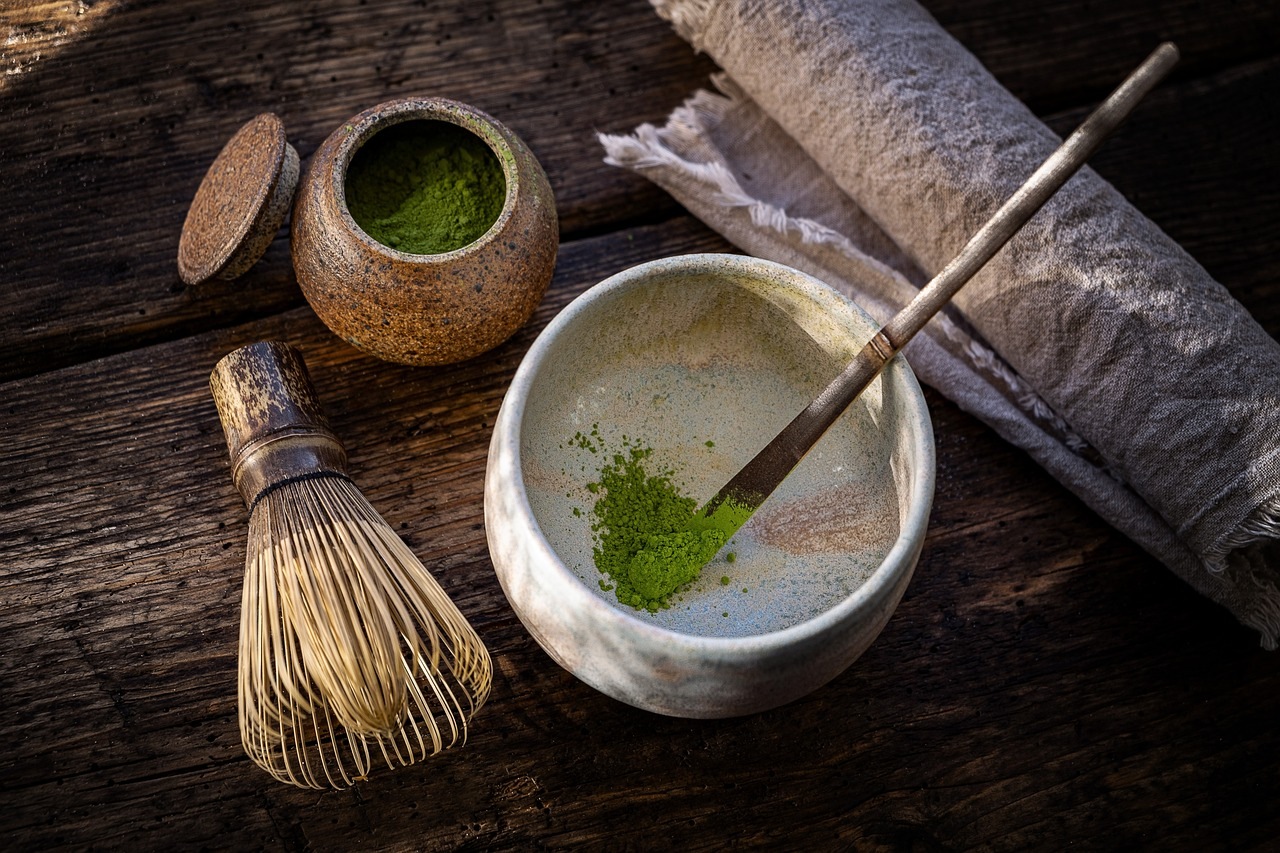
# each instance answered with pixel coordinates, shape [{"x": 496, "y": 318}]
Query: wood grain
[
  {"x": 119, "y": 128},
  {"x": 1059, "y": 54},
  {"x": 1043, "y": 684},
  {"x": 998, "y": 709},
  {"x": 115, "y": 137}
]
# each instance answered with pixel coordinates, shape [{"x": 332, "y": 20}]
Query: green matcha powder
[
  {"x": 649, "y": 539},
  {"x": 425, "y": 187}
]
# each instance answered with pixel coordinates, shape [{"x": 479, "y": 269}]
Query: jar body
[{"x": 424, "y": 309}]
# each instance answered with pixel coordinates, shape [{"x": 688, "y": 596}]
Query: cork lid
[{"x": 241, "y": 203}]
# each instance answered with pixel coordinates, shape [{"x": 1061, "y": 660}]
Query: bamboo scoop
[{"x": 744, "y": 493}]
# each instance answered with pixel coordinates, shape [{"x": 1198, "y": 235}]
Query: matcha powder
[
  {"x": 648, "y": 539},
  {"x": 425, "y": 187}
]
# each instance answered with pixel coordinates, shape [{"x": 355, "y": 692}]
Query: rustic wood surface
[{"x": 1044, "y": 683}]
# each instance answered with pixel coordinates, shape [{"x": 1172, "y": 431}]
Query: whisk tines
[{"x": 352, "y": 656}]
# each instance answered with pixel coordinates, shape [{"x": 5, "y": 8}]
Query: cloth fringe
[{"x": 688, "y": 17}]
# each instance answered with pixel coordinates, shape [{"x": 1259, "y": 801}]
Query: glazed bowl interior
[{"x": 702, "y": 359}]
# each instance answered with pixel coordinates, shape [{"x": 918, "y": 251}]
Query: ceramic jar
[{"x": 423, "y": 309}]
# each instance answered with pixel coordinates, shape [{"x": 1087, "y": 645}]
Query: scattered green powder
[
  {"x": 648, "y": 539},
  {"x": 425, "y": 187}
]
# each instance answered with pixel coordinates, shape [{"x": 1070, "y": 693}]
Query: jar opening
[{"x": 425, "y": 187}]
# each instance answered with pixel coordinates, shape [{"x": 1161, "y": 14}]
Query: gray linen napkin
[{"x": 861, "y": 143}]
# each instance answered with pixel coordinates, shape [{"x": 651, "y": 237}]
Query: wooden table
[{"x": 1043, "y": 683}]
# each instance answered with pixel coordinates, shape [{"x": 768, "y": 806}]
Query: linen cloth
[{"x": 861, "y": 143}]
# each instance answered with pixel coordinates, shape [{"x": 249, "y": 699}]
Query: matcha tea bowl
[
  {"x": 424, "y": 231},
  {"x": 660, "y": 382}
]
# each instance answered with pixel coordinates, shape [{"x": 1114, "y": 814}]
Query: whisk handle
[{"x": 275, "y": 428}]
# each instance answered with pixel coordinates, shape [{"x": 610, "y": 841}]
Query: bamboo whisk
[{"x": 351, "y": 654}]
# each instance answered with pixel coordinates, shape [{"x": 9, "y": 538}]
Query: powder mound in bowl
[{"x": 650, "y": 542}]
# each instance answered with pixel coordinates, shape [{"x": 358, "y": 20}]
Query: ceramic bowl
[
  {"x": 414, "y": 308},
  {"x": 704, "y": 358}
]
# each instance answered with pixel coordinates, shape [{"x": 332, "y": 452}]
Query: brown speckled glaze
[{"x": 424, "y": 309}]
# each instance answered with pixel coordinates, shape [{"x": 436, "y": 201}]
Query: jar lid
[{"x": 241, "y": 203}]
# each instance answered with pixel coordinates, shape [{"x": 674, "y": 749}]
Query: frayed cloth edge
[{"x": 687, "y": 17}]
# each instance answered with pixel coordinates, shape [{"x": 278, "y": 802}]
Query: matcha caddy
[
  {"x": 396, "y": 302},
  {"x": 423, "y": 230}
]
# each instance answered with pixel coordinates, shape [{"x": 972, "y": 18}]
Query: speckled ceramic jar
[{"x": 423, "y": 309}]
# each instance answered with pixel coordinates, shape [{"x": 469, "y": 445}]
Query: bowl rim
[{"x": 867, "y": 595}]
